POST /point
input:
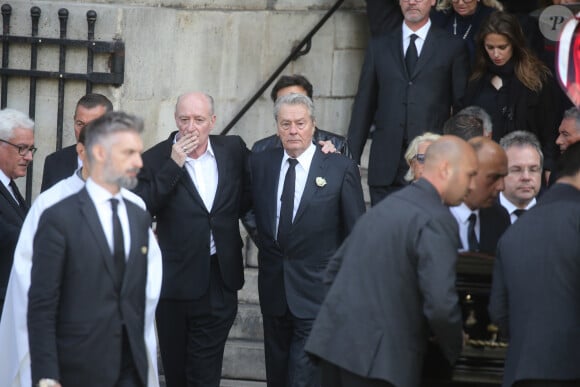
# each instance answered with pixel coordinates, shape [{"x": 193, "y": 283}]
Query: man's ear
[{"x": 99, "y": 152}]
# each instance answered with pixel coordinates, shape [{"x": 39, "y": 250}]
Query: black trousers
[
  {"x": 547, "y": 383},
  {"x": 192, "y": 334},
  {"x": 334, "y": 376},
  {"x": 287, "y": 364},
  {"x": 129, "y": 377}
]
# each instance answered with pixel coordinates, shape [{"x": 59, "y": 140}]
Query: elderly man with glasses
[{"x": 16, "y": 152}]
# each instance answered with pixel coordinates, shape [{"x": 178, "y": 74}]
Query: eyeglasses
[
  {"x": 408, "y": 1},
  {"x": 465, "y": 1},
  {"x": 420, "y": 157},
  {"x": 22, "y": 149}
]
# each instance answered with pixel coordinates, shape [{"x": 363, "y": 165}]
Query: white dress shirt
[
  {"x": 510, "y": 207},
  {"x": 204, "y": 174},
  {"x": 102, "y": 201},
  {"x": 461, "y": 214},
  {"x": 421, "y": 36},
  {"x": 302, "y": 168}
]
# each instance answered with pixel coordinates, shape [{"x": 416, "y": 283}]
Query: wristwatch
[{"x": 47, "y": 383}]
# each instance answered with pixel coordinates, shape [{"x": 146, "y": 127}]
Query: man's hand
[
  {"x": 184, "y": 146},
  {"x": 327, "y": 147}
]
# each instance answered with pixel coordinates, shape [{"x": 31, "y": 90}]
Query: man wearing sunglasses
[{"x": 16, "y": 151}]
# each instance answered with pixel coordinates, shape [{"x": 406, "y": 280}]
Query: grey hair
[
  {"x": 521, "y": 138},
  {"x": 413, "y": 148},
  {"x": 482, "y": 115},
  {"x": 573, "y": 114},
  {"x": 294, "y": 99},
  {"x": 10, "y": 119},
  {"x": 98, "y": 131}
]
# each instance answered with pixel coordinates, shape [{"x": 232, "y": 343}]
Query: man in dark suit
[
  {"x": 535, "y": 292},
  {"x": 524, "y": 178},
  {"x": 481, "y": 219},
  {"x": 405, "y": 92},
  {"x": 306, "y": 203},
  {"x": 86, "y": 303},
  {"x": 392, "y": 282},
  {"x": 62, "y": 163},
  {"x": 296, "y": 83},
  {"x": 16, "y": 151},
  {"x": 197, "y": 186}
]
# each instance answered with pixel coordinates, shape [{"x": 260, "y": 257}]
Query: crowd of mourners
[{"x": 474, "y": 151}]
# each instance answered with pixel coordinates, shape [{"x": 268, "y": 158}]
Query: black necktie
[
  {"x": 287, "y": 205},
  {"x": 519, "y": 212},
  {"x": 18, "y": 196},
  {"x": 471, "y": 237},
  {"x": 118, "y": 242},
  {"x": 412, "y": 55}
]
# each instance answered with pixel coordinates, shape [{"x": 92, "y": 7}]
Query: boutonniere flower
[{"x": 320, "y": 181}]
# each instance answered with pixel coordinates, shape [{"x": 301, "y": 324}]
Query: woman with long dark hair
[{"x": 513, "y": 85}]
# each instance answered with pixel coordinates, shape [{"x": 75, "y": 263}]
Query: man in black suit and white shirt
[
  {"x": 535, "y": 291},
  {"x": 61, "y": 164},
  {"x": 197, "y": 187},
  {"x": 306, "y": 203},
  {"x": 392, "y": 282},
  {"x": 86, "y": 308},
  {"x": 481, "y": 219},
  {"x": 16, "y": 151},
  {"x": 405, "y": 92},
  {"x": 524, "y": 178}
]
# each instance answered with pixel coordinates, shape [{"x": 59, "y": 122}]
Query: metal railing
[
  {"x": 116, "y": 63},
  {"x": 299, "y": 50}
]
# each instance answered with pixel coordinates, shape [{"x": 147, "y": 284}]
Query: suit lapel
[
  {"x": 10, "y": 199},
  {"x": 310, "y": 189},
  {"x": 396, "y": 49},
  {"x": 270, "y": 191},
  {"x": 89, "y": 211},
  {"x": 221, "y": 159},
  {"x": 139, "y": 246},
  {"x": 428, "y": 50}
]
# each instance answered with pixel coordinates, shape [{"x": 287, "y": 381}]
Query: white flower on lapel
[{"x": 320, "y": 181}]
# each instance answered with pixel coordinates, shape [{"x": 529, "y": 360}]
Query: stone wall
[{"x": 227, "y": 48}]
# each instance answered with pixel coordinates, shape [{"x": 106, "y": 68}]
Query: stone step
[
  {"x": 248, "y": 323},
  {"x": 241, "y": 383},
  {"x": 244, "y": 360}
]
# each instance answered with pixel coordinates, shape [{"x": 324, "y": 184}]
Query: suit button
[{"x": 410, "y": 83}]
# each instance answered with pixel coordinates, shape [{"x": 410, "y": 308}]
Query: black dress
[{"x": 515, "y": 107}]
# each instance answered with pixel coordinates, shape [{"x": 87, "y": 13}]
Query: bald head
[
  {"x": 493, "y": 167},
  {"x": 450, "y": 165}
]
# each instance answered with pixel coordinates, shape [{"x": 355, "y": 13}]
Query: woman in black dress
[{"x": 513, "y": 85}]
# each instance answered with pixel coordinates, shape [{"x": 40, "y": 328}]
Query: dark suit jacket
[
  {"x": 493, "y": 221},
  {"x": 535, "y": 294},
  {"x": 325, "y": 216},
  {"x": 59, "y": 165},
  {"x": 404, "y": 107},
  {"x": 184, "y": 224},
  {"x": 396, "y": 285},
  {"x": 76, "y": 311},
  {"x": 11, "y": 219}
]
